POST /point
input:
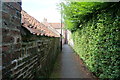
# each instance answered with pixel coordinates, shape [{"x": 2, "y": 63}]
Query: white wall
[
  {"x": 63, "y": 33},
  {"x": 59, "y": 30},
  {"x": 69, "y": 38}
]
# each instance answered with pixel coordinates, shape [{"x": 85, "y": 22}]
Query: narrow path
[{"x": 69, "y": 65}]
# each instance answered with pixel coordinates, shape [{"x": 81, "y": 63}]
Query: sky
[{"x": 40, "y": 9}]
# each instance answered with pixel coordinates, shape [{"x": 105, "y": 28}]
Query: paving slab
[{"x": 69, "y": 65}]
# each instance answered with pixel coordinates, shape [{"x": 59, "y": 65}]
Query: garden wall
[{"x": 24, "y": 56}]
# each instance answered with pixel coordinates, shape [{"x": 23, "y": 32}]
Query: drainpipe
[{"x": 61, "y": 27}]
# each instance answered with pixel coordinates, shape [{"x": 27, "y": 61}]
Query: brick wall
[
  {"x": 11, "y": 38},
  {"x": 24, "y": 55},
  {"x": 0, "y": 40}
]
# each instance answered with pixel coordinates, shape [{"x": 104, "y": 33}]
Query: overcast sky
[{"x": 41, "y": 9}]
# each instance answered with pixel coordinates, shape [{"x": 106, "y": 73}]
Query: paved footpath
[{"x": 69, "y": 65}]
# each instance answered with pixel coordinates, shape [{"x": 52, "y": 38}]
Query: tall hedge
[{"x": 98, "y": 43}]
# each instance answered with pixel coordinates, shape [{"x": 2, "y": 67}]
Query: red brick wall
[
  {"x": 11, "y": 36},
  {"x": 24, "y": 56}
]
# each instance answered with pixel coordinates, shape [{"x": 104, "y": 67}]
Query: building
[
  {"x": 36, "y": 27},
  {"x": 58, "y": 27},
  {"x": 43, "y": 28}
]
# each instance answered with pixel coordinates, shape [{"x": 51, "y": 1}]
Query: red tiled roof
[
  {"x": 35, "y": 27},
  {"x": 56, "y": 25}
]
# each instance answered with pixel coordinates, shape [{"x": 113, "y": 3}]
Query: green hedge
[{"x": 98, "y": 43}]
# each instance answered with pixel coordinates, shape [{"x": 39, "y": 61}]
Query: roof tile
[{"x": 35, "y": 27}]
